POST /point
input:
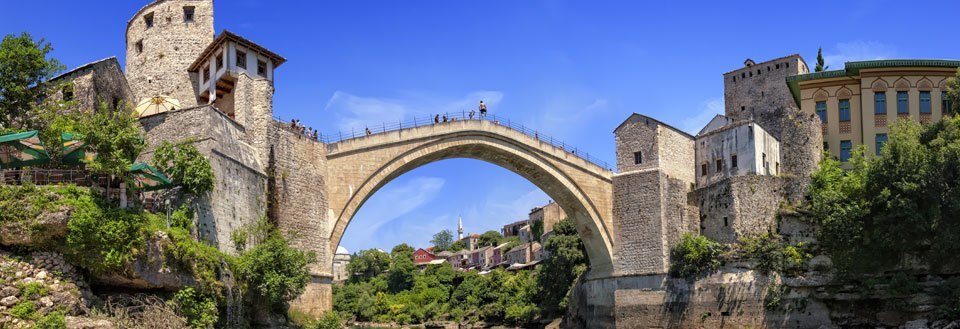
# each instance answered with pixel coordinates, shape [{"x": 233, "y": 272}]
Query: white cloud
[
  {"x": 708, "y": 109},
  {"x": 562, "y": 116},
  {"x": 856, "y": 51},
  {"x": 390, "y": 204},
  {"x": 358, "y": 112}
]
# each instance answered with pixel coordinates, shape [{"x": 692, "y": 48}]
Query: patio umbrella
[
  {"x": 155, "y": 105},
  {"x": 22, "y": 149},
  {"x": 144, "y": 177},
  {"x": 75, "y": 151}
]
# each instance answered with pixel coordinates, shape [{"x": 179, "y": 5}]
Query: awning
[
  {"x": 75, "y": 151},
  {"x": 156, "y": 105},
  {"x": 144, "y": 177},
  {"x": 21, "y": 150}
]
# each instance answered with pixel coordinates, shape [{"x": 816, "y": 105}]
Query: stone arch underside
[{"x": 584, "y": 194}]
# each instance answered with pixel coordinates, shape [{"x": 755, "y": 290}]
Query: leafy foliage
[
  {"x": 274, "y": 271},
  {"x": 442, "y": 240},
  {"x": 558, "y": 272},
  {"x": 114, "y": 135},
  {"x": 457, "y": 246},
  {"x": 24, "y": 310},
  {"x": 904, "y": 203},
  {"x": 201, "y": 312},
  {"x": 25, "y": 71},
  {"x": 820, "y": 63},
  {"x": 52, "y": 320},
  {"x": 953, "y": 92},
  {"x": 489, "y": 238},
  {"x": 694, "y": 255},
  {"x": 368, "y": 264},
  {"x": 772, "y": 254},
  {"x": 185, "y": 165},
  {"x": 101, "y": 238}
]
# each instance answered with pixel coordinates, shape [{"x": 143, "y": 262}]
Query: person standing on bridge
[
  {"x": 483, "y": 110},
  {"x": 368, "y": 131},
  {"x": 472, "y": 112},
  {"x": 444, "y": 118},
  {"x": 436, "y": 119}
]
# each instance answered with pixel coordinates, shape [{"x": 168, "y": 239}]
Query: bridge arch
[{"x": 358, "y": 168}]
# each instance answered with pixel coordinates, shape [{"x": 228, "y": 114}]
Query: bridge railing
[{"x": 385, "y": 127}]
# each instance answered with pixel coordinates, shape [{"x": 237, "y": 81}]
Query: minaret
[{"x": 459, "y": 227}]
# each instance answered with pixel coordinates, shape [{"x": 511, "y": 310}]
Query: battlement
[{"x": 760, "y": 86}]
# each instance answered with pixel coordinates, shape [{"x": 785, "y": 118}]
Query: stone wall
[
  {"x": 637, "y": 134},
  {"x": 158, "y": 57},
  {"x": 254, "y": 110},
  {"x": 739, "y": 206},
  {"x": 92, "y": 83},
  {"x": 239, "y": 196},
  {"x": 298, "y": 170}
]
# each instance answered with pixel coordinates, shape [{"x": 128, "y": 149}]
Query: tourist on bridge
[
  {"x": 444, "y": 118},
  {"x": 483, "y": 110},
  {"x": 436, "y": 119},
  {"x": 368, "y": 131},
  {"x": 472, "y": 112}
]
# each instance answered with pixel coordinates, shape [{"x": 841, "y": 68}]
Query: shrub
[
  {"x": 33, "y": 290},
  {"x": 275, "y": 271},
  {"x": 772, "y": 254},
  {"x": 185, "y": 165},
  {"x": 53, "y": 320},
  {"x": 694, "y": 255},
  {"x": 24, "y": 310},
  {"x": 104, "y": 240},
  {"x": 329, "y": 320},
  {"x": 200, "y": 311},
  {"x": 518, "y": 314}
]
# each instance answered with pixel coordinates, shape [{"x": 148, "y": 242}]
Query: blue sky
[{"x": 572, "y": 69}]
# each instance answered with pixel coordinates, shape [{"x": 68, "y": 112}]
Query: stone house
[
  {"x": 340, "y": 261},
  {"x": 90, "y": 84}
]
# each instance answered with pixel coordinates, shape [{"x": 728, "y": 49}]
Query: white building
[
  {"x": 727, "y": 148},
  {"x": 340, "y": 261}
]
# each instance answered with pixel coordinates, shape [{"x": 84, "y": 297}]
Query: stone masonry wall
[
  {"x": 677, "y": 154},
  {"x": 254, "y": 110},
  {"x": 638, "y": 208},
  {"x": 637, "y": 134},
  {"x": 95, "y": 82},
  {"x": 298, "y": 168},
  {"x": 168, "y": 49},
  {"x": 239, "y": 194},
  {"x": 740, "y": 206}
]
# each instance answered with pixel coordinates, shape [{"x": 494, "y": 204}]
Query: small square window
[
  {"x": 637, "y": 157},
  {"x": 241, "y": 59},
  {"x": 188, "y": 14},
  {"x": 262, "y": 68},
  {"x": 725, "y": 223},
  {"x": 139, "y": 46},
  {"x": 733, "y": 161},
  {"x": 703, "y": 169},
  {"x": 68, "y": 92},
  {"x": 220, "y": 60},
  {"x": 719, "y": 165},
  {"x": 148, "y": 20}
]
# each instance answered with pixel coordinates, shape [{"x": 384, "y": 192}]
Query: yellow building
[{"x": 858, "y": 104}]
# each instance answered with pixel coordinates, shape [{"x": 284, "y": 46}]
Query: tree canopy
[
  {"x": 25, "y": 69},
  {"x": 184, "y": 164},
  {"x": 820, "y": 63},
  {"x": 442, "y": 240},
  {"x": 489, "y": 238}
]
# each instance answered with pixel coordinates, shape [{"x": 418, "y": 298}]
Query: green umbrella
[
  {"x": 22, "y": 149},
  {"x": 144, "y": 177},
  {"x": 75, "y": 151}
]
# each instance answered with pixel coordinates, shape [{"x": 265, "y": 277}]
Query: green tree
[
  {"x": 116, "y": 138},
  {"x": 559, "y": 271},
  {"x": 457, "y": 246},
  {"x": 367, "y": 264},
  {"x": 953, "y": 93},
  {"x": 402, "y": 270},
  {"x": 442, "y": 240},
  {"x": 25, "y": 71},
  {"x": 820, "y": 67},
  {"x": 402, "y": 249},
  {"x": 489, "y": 238},
  {"x": 201, "y": 311},
  {"x": 185, "y": 165},
  {"x": 275, "y": 272}
]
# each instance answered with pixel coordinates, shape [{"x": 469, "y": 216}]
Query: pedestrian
[
  {"x": 483, "y": 110},
  {"x": 316, "y": 135},
  {"x": 444, "y": 118},
  {"x": 368, "y": 131},
  {"x": 436, "y": 119},
  {"x": 472, "y": 112},
  {"x": 293, "y": 123}
]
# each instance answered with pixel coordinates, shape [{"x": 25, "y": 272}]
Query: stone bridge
[{"x": 357, "y": 168}]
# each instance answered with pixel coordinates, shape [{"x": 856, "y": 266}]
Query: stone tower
[
  {"x": 163, "y": 39},
  {"x": 759, "y": 87}
]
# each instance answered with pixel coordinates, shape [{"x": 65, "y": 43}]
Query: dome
[{"x": 342, "y": 251}]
